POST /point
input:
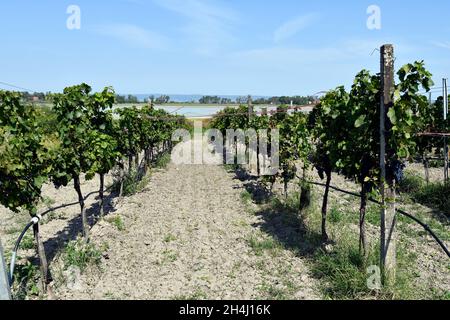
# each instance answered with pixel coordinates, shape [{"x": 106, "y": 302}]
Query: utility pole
[
  {"x": 5, "y": 291},
  {"x": 446, "y": 163},
  {"x": 387, "y": 182}
]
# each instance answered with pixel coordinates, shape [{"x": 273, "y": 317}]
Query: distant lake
[
  {"x": 201, "y": 111},
  {"x": 193, "y": 112},
  {"x": 198, "y": 111}
]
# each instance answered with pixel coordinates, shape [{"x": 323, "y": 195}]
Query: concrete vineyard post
[
  {"x": 446, "y": 161},
  {"x": 387, "y": 183},
  {"x": 253, "y": 147}
]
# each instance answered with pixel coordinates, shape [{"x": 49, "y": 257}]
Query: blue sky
[{"x": 284, "y": 47}]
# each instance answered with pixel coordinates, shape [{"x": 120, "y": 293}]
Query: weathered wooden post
[
  {"x": 446, "y": 162},
  {"x": 387, "y": 182},
  {"x": 5, "y": 292},
  {"x": 250, "y": 108},
  {"x": 253, "y": 147},
  {"x": 150, "y": 103}
]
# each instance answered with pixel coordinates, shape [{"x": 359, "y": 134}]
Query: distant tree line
[
  {"x": 163, "y": 99},
  {"x": 215, "y": 100},
  {"x": 126, "y": 99},
  {"x": 296, "y": 100},
  {"x": 36, "y": 96}
]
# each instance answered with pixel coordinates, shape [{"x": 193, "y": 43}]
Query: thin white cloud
[
  {"x": 289, "y": 58},
  {"x": 442, "y": 44},
  {"x": 294, "y": 26},
  {"x": 198, "y": 9},
  {"x": 280, "y": 58},
  {"x": 134, "y": 35},
  {"x": 137, "y": 2},
  {"x": 209, "y": 24}
]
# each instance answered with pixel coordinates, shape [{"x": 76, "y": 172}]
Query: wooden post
[
  {"x": 84, "y": 219},
  {"x": 253, "y": 146},
  {"x": 42, "y": 258},
  {"x": 445, "y": 103},
  {"x": 250, "y": 108},
  {"x": 387, "y": 182}
]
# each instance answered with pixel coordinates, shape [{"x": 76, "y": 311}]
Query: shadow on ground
[
  {"x": 282, "y": 220},
  {"x": 74, "y": 226}
]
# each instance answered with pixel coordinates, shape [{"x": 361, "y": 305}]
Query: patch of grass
[
  {"x": 290, "y": 205},
  {"x": 132, "y": 184},
  {"x": 436, "y": 163},
  {"x": 117, "y": 222},
  {"x": 129, "y": 182},
  {"x": 344, "y": 272},
  {"x": 273, "y": 292},
  {"x": 26, "y": 278},
  {"x": 163, "y": 161},
  {"x": 170, "y": 238},
  {"x": 373, "y": 215},
  {"x": 411, "y": 183},
  {"x": 110, "y": 296},
  {"x": 234, "y": 270},
  {"x": 246, "y": 196},
  {"x": 435, "y": 196},
  {"x": 441, "y": 295},
  {"x": 232, "y": 167},
  {"x": 81, "y": 255},
  {"x": 197, "y": 295},
  {"x": 51, "y": 216},
  {"x": 168, "y": 256},
  {"x": 432, "y": 195},
  {"x": 239, "y": 223},
  {"x": 27, "y": 241},
  {"x": 13, "y": 230},
  {"x": 335, "y": 215},
  {"x": 440, "y": 229},
  {"x": 48, "y": 202},
  {"x": 260, "y": 246}
]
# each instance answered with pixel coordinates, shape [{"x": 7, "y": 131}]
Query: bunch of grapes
[{"x": 396, "y": 169}]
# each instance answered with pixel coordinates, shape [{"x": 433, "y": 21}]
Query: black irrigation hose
[
  {"x": 73, "y": 203},
  {"x": 34, "y": 221},
  {"x": 31, "y": 223},
  {"x": 14, "y": 253},
  {"x": 404, "y": 213}
]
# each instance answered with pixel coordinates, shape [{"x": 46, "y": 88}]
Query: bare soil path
[{"x": 189, "y": 235}]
